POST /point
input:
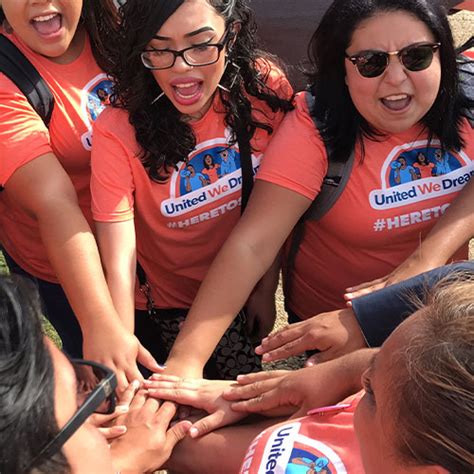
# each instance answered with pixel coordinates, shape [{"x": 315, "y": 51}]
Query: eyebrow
[{"x": 187, "y": 35}]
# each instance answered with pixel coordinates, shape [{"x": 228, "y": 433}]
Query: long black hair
[
  {"x": 165, "y": 138},
  {"x": 344, "y": 125},
  {"x": 27, "y": 416}
]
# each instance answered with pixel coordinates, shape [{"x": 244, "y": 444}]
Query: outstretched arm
[
  {"x": 270, "y": 216},
  {"x": 44, "y": 190}
]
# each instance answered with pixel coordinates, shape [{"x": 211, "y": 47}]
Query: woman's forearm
[
  {"x": 242, "y": 261},
  {"x": 117, "y": 247},
  {"x": 453, "y": 230}
]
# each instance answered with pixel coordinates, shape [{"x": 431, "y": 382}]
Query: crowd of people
[{"x": 149, "y": 219}]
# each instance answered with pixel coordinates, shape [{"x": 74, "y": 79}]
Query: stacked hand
[
  {"x": 198, "y": 393},
  {"x": 333, "y": 334},
  {"x": 149, "y": 439}
]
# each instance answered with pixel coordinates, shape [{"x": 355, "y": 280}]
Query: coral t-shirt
[
  {"x": 181, "y": 224},
  {"x": 322, "y": 443},
  {"x": 380, "y": 217},
  {"x": 24, "y": 137},
  {"x": 424, "y": 171}
]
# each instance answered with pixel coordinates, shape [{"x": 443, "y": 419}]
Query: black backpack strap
[
  {"x": 24, "y": 75},
  {"x": 332, "y": 187},
  {"x": 335, "y": 180},
  {"x": 246, "y": 167}
]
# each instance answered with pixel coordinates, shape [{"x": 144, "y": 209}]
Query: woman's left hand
[
  {"x": 149, "y": 440},
  {"x": 107, "y": 424},
  {"x": 199, "y": 393}
]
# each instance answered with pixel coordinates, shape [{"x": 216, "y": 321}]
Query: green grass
[{"x": 47, "y": 328}]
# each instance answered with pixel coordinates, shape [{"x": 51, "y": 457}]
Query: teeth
[
  {"x": 45, "y": 17},
  {"x": 185, "y": 85},
  {"x": 396, "y": 97}
]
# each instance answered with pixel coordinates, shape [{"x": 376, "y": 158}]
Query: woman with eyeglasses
[
  {"x": 386, "y": 87},
  {"x": 46, "y": 400},
  {"x": 191, "y": 90},
  {"x": 45, "y": 218}
]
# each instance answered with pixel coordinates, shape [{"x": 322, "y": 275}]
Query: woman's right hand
[
  {"x": 119, "y": 350},
  {"x": 198, "y": 393},
  {"x": 332, "y": 334}
]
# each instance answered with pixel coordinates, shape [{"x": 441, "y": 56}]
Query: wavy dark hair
[
  {"x": 165, "y": 138},
  {"x": 344, "y": 125},
  {"x": 27, "y": 418},
  {"x": 99, "y": 18}
]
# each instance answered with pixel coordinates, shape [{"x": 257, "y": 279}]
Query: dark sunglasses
[
  {"x": 96, "y": 386},
  {"x": 415, "y": 57}
]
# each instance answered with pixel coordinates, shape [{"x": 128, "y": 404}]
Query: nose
[
  {"x": 395, "y": 72},
  {"x": 180, "y": 65}
]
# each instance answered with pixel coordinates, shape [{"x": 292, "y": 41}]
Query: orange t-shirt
[
  {"x": 24, "y": 137},
  {"x": 181, "y": 224},
  {"x": 322, "y": 443},
  {"x": 376, "y": 223}
]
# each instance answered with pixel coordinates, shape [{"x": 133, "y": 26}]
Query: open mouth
[
  {"x": 47, "y": 25},
  {"x": 188, "y": 93},
  {"x": 396, "y": 102}
]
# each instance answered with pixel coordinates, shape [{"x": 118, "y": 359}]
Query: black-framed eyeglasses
[
  {"x": 414, "y": 57},
  {"x": 198, "y": 55},
  {"x": 96, "y": 386}
]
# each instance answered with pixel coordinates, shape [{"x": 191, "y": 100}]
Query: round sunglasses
[{"x": 414, "y": 57}]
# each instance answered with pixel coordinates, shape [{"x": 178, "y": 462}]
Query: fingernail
[
  {"x": 122, "y": 408},
  {"x": 193, "y": 432},
  {"x": 136, "y": 384},
  {"x": 265, "y": 358},
  {"x": 258, "y": 349},
  {"x": 161, "y": 366},
  {"x": 121, "y": 428}
]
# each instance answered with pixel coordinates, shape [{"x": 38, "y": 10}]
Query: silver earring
[
  {"x": 157, "y": 98},
  {"x": 237, "y": 69}
]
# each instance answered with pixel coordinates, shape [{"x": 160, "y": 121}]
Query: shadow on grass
[{"x": 47, "y": 328}]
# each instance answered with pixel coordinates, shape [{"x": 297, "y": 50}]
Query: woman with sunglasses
[
  {"x": 189, "y": 84},
  {"x": 385, "y": 83},
  {"x": 45, "y": 204}
]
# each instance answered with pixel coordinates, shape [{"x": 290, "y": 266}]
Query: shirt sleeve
[
  {"x": 23, "y": 135},
  {"x": 380, "y": 312},
  {"x": 112, "y": 183},
  {"x": 296, "y": 157}
]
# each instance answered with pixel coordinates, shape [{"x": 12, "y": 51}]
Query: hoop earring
[
  {"x": 232, "y": 84},
  {"x": 157, "y": 98}
]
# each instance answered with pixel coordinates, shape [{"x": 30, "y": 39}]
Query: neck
[{"x": 75, "y": 48}]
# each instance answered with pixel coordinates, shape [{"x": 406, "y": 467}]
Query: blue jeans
[{"x": 56, "y": 308}]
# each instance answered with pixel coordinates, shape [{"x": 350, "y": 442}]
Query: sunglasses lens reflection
[
  {"x": 88, "y": 377},
  {"x": 372, "y": 64}
]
